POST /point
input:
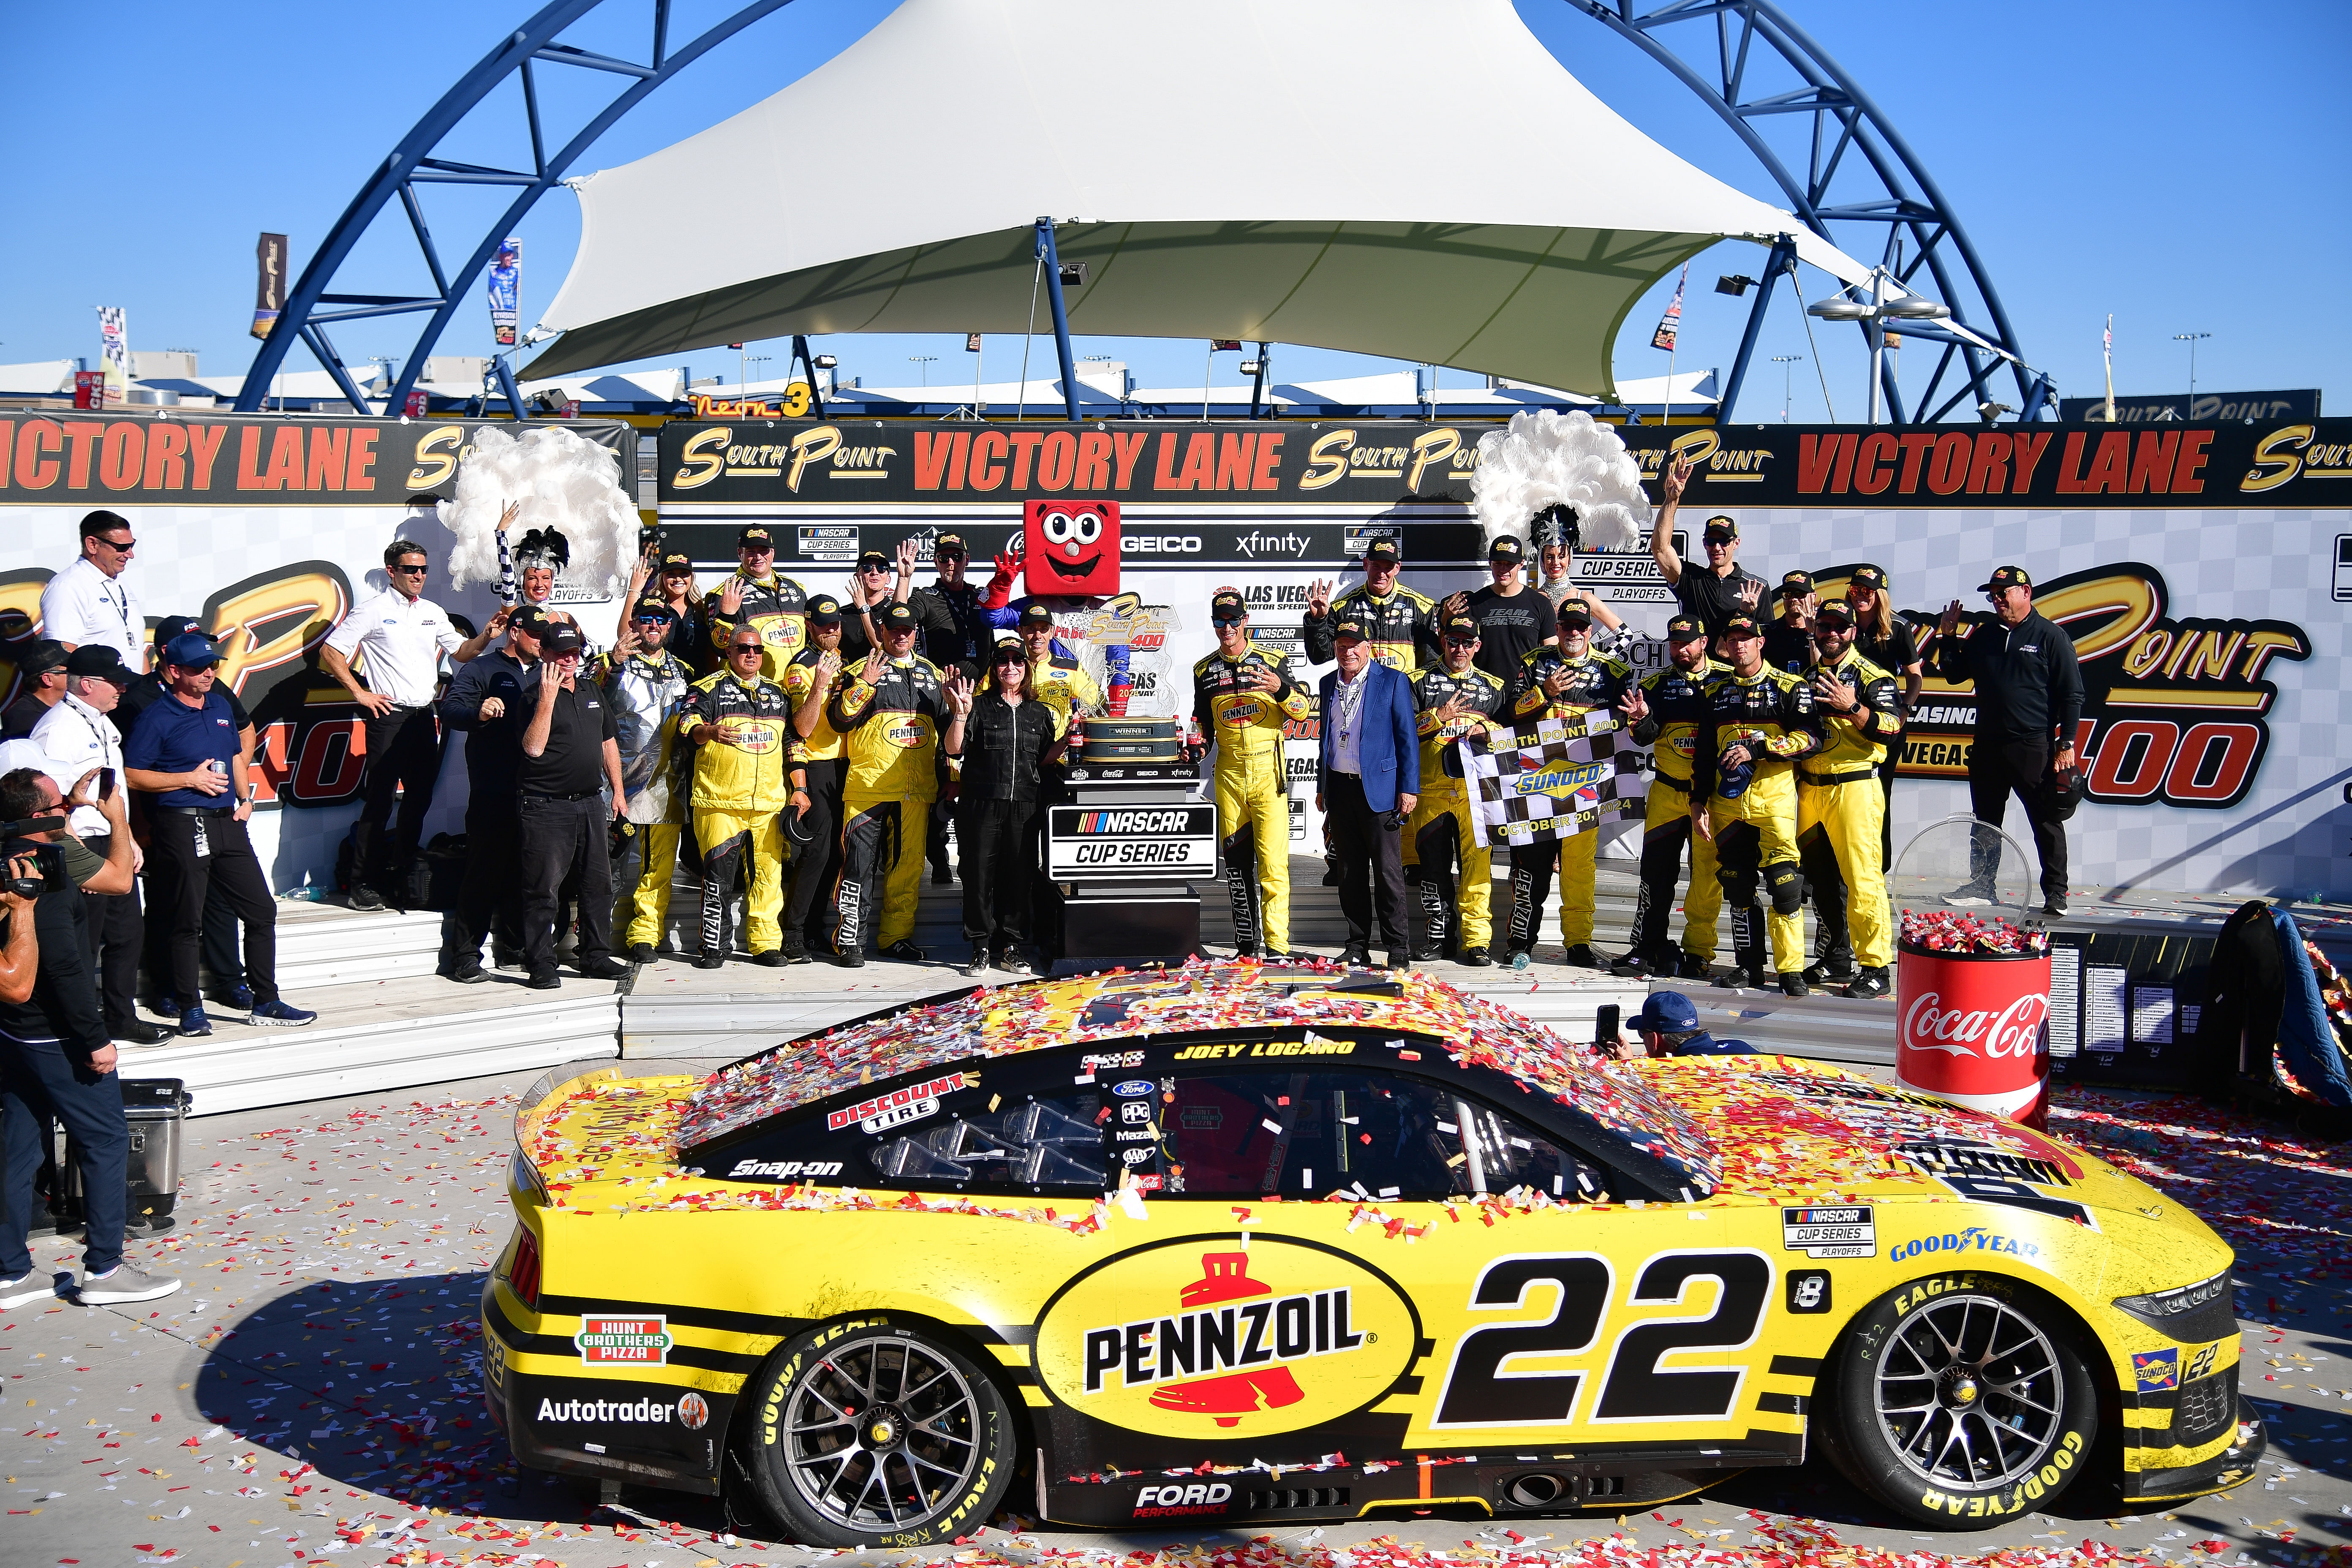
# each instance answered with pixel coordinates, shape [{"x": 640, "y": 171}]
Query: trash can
[
  {"x": 1974, "y": 1028},
  {"x": 157, "y": 1110}
]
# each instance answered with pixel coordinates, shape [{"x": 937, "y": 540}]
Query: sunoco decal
[
  {"x": 898, "y": 1107},
  {"x": 1830, "y": 1232},
  {"x": 1277, "y": 1338},
  {"x": 623, "y": 1341}
]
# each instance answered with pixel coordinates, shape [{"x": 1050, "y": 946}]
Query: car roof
[{"x": 1224, "y": 999}]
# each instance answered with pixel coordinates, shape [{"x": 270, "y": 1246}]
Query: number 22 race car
[{"x": 1239, "y": 1243}]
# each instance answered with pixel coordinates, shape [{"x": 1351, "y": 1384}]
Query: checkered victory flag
[{"x": 1560, "y": 776}]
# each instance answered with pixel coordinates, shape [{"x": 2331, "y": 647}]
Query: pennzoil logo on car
[
  {"x": 1277, "y": 1338},
  {"x": 623, "y": 1341},
  {"x": 900, "y": 1106}
]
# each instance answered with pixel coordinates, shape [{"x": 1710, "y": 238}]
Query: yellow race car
[{"x": 1292, "y": 1242}]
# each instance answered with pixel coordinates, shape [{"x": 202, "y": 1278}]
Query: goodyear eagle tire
[
  {"x": 870, "y": 1431},
  {"x": 1959, "y": 1401}
]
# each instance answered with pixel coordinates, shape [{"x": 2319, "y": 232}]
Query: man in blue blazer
[{"x": 1366, "y": 782}]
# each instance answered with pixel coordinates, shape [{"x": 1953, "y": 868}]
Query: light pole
[
  {"x": 1788, "y": 381},
  {"x": 745, "y": 390},
  {"x": 2192, "y": 340},
  {"x": 925, "y": 361},
  {"x": 1874, "y": 314}
]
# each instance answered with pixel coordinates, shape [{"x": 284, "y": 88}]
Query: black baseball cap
[
  {"x": 1836, "y": 610},
  {"x": 1382, "y": 548},
  {"x": 1507, "y": 548},
  {"x": 1869, "y": 577},
  {"x": 1460, "y": 628},
  {"x": 93, "y": 658},
  {"x": 1008, "y": 649},
  {"x": 649, "y": 606},
  {"x": 1720, "y": 530},
  {"x": 678, "y": 561},
  {"x": 1741, "y": 626},
  {"x": 533, "y": 619},
  {"x": 171, "y": 626},
  {"x": 1685, "y": 628},
  {"x": 872, "y": 558},
  {"x": 1227, "y": 605},
  {"x": 898, "y": 616},
  {"x": 1037, "y": 615},
  {"x": 824, "y": 610},
  {"x": 755, "y": 538},
  {"x": 49, "y": 654},
  {"x": 949, "y": 544},
  {"x": 2007, "y": 577},
  {"x": 1348, "y": 626},
  {"x": 1575, "y": 620},
  {"x": 1796, "y": 583},
  {"x": 562, "y": 638}
]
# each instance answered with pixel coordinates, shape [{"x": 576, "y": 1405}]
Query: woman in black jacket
[{"x": 1002, "y": 737}]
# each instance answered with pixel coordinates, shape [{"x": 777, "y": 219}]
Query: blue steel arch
[{"x": 1830, "y": 96}]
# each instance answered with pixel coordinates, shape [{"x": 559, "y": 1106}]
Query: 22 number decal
[{"x": 1480, "y": 1390}]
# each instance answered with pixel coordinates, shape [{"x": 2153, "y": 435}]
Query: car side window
[
  {"x": 1371, "y": 1135},
  {"x": 1504, "y": 1154},
  {"x": 1051, "y": 1142}
]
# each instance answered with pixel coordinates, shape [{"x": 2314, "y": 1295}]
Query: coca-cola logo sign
[{"x": 2014, "y": 1031}]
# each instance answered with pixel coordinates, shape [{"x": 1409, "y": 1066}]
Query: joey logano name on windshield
[
  {"x": 1250, "y": 1334},
  {"x": 912, "y": 1101}
]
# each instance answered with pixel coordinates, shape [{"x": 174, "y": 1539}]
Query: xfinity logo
[
  {"x": 1159, "y": 543},
  {"x": 1256, "y": 541}
]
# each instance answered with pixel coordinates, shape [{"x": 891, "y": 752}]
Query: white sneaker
[
  {"x": 123, "y": 1284},
  {"x": 27, "y": 1288}
]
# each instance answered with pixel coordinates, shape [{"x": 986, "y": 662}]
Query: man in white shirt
[
  {"x": 403, "y": 635},
  {"x": 77, "y": 736},
  {"x": 90, "y": 601}
]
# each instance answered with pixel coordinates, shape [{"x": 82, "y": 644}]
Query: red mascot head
[{"x": 1071, "y": 547}]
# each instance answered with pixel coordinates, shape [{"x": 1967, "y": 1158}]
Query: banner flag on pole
[
  {"x": 505, "y": 274},
  {"x": 1561, "y": 777},
  {"x": 115, "y": 345},
  {"x": 1670, "y": 325},
  {"x": 972, "y": 342},
  {"x": 270, "y": 283}
]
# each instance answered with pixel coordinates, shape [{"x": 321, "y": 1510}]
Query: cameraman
[{"x": 55, "y": 1059}]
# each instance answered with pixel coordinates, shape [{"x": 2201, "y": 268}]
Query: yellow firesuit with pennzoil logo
[
  {"x": 1770, "y": 712},
  {"x": 1678, "y": 702},
  {"x": 1401, "y": 627},
  {"x": 890, "y": 734},
  {"x": 776, "y": 606},
  {"x": 742, "y": 778},
  {"x": 1062, "y": 684},
  {"x": 1841, "y": 808},
  {"x": 1594, "y": 680},
  {"x": 1441, "y": 826},
  {"x": 1253, "y": 786}
]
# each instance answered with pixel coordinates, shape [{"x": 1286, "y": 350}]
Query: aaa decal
[{"x": 1276, "y": 1338}]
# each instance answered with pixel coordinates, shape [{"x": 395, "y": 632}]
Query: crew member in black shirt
[
  {"x": 1717, "y": 591},
  {"x": 1513, "y": 618},
  {"x": 484, "y": 703},
  {"x": 42, "y": 668},
  {"x": 2029, "y": 693},
  {"x": 571, "y": 756},
  {"x": 1789, "y": 641}
]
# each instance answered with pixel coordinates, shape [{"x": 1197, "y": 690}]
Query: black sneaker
[
  {"x": 904, "y": 952},
  {"x": 794, "y": 952},
  {"x": 709, "y": 958},
  {"x": 2055, "y": 907},
  {"x": 137, "y": 1032},
  {"x": 641, "y": 952},
  {"x": 365, "y": 898},
  {"x": 1012, "y": 961},
  {"x": 1637, "y": 964},
  {"x": 601, "y": 969},
  {"x": 545, "y": 980},
  {"x": 979, "y": 961},
  {"x": 1969, "y": 896},
  {"x": 1869, "y": 985},
  {"x": 1400, "y": 960},
  {"x": 1582, "y": 956},
  {"x": 1828, "y": 972},
  {"x": 853, "y": 959},
  {"x": 1477, "y": 958},
  {"x": 467, "y": 971},
  {"x": 1691, "y": 967},
  {"x": 1792, "y": 984},
  {"x": 1360, "y": 957},
  {"x": 1741, "y": 977}
]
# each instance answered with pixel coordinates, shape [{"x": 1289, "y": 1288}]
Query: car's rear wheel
[
  {"x": 870, "y": 1431},
  {"x": 1960, "y": 1401}
]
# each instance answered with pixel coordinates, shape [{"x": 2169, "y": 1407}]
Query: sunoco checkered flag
[{"x": 1555, "y": 778}]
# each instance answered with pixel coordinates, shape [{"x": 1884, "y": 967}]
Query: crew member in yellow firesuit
[
  {"x": 1759, "y": 722},
  {"x": 1242, "y": 698},
  {"x": 1062, "y": 684},
  {"x": 1840, "y": 804},
  {"x": 1665, "y": 709},
  {"x": 1454, "y": 700},
  {"x": 756, "y": 597},
  {"x": 1564, "y": 681},
  {"x": 890, "y": 711},
  {"x": 747, "y": 769}
]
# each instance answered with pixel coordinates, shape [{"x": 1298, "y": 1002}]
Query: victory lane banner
[{"x": 1560, "y": 778}]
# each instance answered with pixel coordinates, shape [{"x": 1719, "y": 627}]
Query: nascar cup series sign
[{"x": 1165, "y": 842}]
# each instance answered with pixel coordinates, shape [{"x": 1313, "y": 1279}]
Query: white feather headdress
[
  {"x": 564, "y": 481},
  {"x": 1543, "y": 460}
]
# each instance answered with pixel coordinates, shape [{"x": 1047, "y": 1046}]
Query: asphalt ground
[{"x": 314, "y": 1391}]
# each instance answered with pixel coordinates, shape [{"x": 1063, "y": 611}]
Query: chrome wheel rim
[
  {"x": 882, "y": 1434},
  {"x": 1970, "y": 1393}
]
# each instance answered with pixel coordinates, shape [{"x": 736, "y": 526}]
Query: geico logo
[
  {"x": 932, "y": 1090},
  {"x": 1159, "y": 543},
  {"x": 1253, "y": 1333},
  {"x": 653, "y": 1411}
]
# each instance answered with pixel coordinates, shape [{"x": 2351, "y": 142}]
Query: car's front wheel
[
  {"x": 1960, "y": 1401},
  {"x": 870, "y": 1431}
]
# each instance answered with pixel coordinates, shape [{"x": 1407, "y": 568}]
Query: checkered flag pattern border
[{"x": 1557, "y": 778}]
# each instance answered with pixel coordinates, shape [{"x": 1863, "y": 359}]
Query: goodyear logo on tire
[{"x": 1275, "y": 1339}]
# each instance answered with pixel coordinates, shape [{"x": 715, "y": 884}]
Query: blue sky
[{"x": 2167, "y": 161}]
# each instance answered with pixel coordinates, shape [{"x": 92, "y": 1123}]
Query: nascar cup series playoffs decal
[{"x": 1830, "y": 1231}]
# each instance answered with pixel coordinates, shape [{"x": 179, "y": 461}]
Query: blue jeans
[{"x": 41, "y": 1080}]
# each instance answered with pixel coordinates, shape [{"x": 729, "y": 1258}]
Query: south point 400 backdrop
[{"x": 2202, "y": 570}]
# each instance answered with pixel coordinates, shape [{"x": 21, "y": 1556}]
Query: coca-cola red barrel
[{"x": 1974, "y": 1028}]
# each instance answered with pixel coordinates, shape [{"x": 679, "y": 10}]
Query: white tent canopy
[{"x": 1266, "y": 174}]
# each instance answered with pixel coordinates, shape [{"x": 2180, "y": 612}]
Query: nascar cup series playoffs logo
[{"x": 1273, "y": 1339}]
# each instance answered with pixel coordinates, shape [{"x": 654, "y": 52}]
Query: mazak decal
[
  {"x": 1842, "y": 1231},
  {"x": 1281, "y": 1337},
  {"x": 623, "y": 1341},
  {"x": 911, "y": 1103}
]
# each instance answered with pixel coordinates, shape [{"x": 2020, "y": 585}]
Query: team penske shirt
[
  {"x": 1478, "y": 694},
  {"x": 1509, "y": 627},
  {"x": 754, "y": 773},
  {"x": 1772, "y": 705},
  {"x": 1677, "y": 699},
  {"x": 890, "y": 730},
  {"x": 777, "y": 606}
]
